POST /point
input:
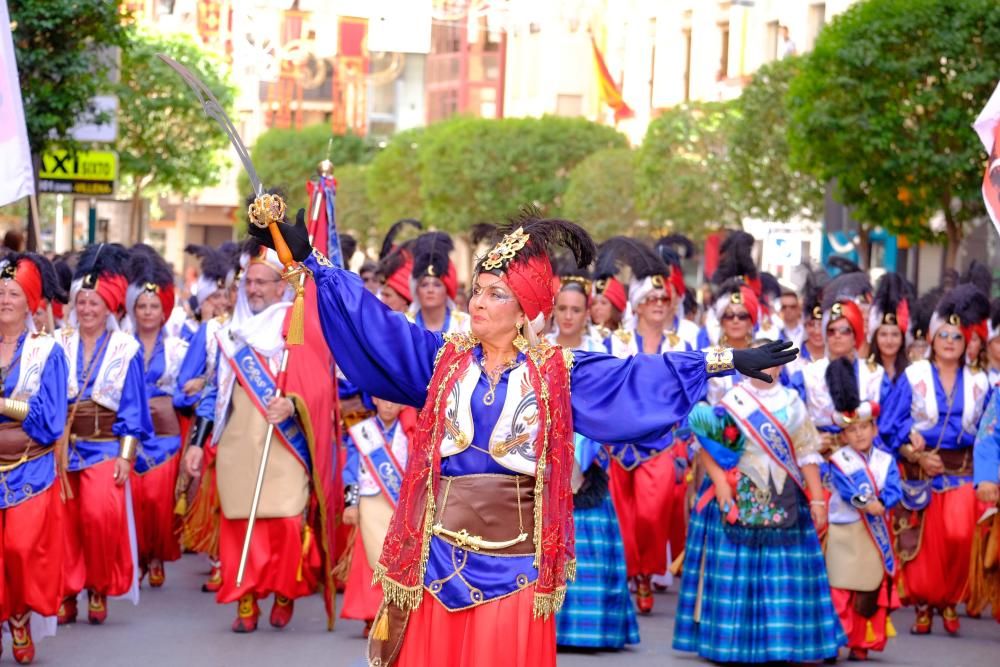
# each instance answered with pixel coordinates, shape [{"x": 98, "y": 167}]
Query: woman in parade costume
[
  {"x": 434, "y": 284},
  {"x": 984, "y": 581},
  {"x": 108, "y": 417},
  {"x": 487, "y": 489},
  {"x": 644, "y": 475},
  {"x": 32, "y": 416},
  {"x": 859, "y": 554},
  {"x": 608, "y": 304},
  {"x": 888, "y": 322},
  {"x": 736, "y": 265},
  {"x": 377, "y": 450},
  {"x": 813, "y": 338},
  {"x": 598, "y": 610},
  {"x": 934, "y": 410},
  {"x": 755, "y": 587},
  {"x": 736, "y": 310},
  {"x": 148, "y": 300},
  {"x": 672, "y": 248}
]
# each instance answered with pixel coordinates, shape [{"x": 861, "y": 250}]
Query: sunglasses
[
  {"x": 657, "y": 299},
  {"x": 742, "y": 317},
  {"x": 841, "y": 330},
  {"x": 953, "y": 335}
]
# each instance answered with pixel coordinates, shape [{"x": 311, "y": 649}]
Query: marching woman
[
  {"x": 644, "y": 476},
  {"x": 671, "y": 249},
  {"x": 434, "y": 283},
  {"x": 736, "y": 310},
  {"x": 608, "y": 305},
  {"x": 755, "y": 587},
  {"x": 149, "y": 299},
  {"x": 108, "y": 417},
  {"x": 32, "y": 417},
  {"x": 934, "y": 411},
  {"x": 598, "y": 612},
  {"x": 859, "y": 555},
  {"x": 395, "y": 268},
  {"x": 984, "y": 585},
  {"x": 888, "y": 322},
  {"x": 736, "y": 266},
  {"x": 813, "y": 338},
  {"x": 480, "y": 547}
]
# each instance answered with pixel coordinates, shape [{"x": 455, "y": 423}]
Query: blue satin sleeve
[
  {"x": 47, "y": 408},
  {"x": 133, "y": 410},
  {"x": 350, "y": 472},
  {"x": 378, "y": 350},
  {"x": 707, "y": 423},
  {"x": 192, "y": 366},
  {"x": 703, "y": 340},
  {"x": 206, "y": 406},
  {"x": 986, "y": 455},
  {"x": 843, "y": 484},
  {"x": 892, "y": 490},
  {"x": 637, "y": 399},
  {"x": 895, "y": 419}
]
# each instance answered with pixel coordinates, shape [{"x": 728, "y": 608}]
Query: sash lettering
[
  {"x": 856, "y": 469},
  {"x": 378, "y": 458},
  {"x": 764, "y": 429}
]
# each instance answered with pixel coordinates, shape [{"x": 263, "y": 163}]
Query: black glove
[
  {"x": 201, "y": 432},
  {"x": 296, "y": 236},
  {"x": 753, "y": 361}
]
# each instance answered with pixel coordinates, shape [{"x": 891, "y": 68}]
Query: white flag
[
  {"x": 16, "y": 179},
  {"x": 987, "y": 126}
]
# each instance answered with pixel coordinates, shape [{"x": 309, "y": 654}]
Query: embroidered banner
[{"x": 379, "y": 459}]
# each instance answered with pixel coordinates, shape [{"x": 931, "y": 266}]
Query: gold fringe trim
[
  {"x": 571, "y": 570},
  {"x": 406, "y": 598},
  {"x": 546, "y": 604}
]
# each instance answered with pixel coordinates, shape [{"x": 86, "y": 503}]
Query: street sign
[{"x": 83, "y": 173}]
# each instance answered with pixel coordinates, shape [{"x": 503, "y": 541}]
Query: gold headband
[
  {"x": 656, "y": 281},
  {"x": 954, "y": 320},
  {"x": 736, "y": 298},
  {"x": 503, "y": 252}
]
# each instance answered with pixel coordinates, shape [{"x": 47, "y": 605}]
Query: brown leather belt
[
  {"x": 92, "y": 422},
  {"x": 161, "y": 409},
  {"x": 956, "y": 462},
  {"x": 487, "y": 513},
  {"x": 15, "y": 445}
]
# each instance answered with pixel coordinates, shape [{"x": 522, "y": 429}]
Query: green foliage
[
  {"x": 680, "y": 175},
  {"x": 883, "y": 106},
  {"x": 287, "y": 158},
  {"x": 165, "y": 139},
  {"x": 762, "y": 182},
  {"x": 355, "y": 214},
  {"x": 477, "y": 170},
  {"x": 601, "y": 193},
  {"x": 57, "y": 45},
  {"x": 394, "y": 177}
]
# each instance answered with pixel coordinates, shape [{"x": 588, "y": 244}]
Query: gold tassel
[
  {"x": 890, "y": 629},
  {"x": 380, "y": 631},
  {"x": 296, "y": 325},
  {"x": 306, "y": 543},
  {"x": 181, "y": 506},
  {"x": 869, "y": 633}
]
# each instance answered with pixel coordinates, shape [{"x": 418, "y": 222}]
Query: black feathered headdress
[
  {"x": 892, "y": 302},
  {"x": 964, "y": 307},
  {"x": 218, "y": 268},
  {"x": 649, "y": 271},
  {"x": 148, "y": 273},
  {"x": 736, "y": 260},
  {"x": 843, "y": 384},
  {"x": 389, "y": 242}
]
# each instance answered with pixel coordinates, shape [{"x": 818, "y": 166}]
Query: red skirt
[
  {"x": 31, "y": 555},
  {"x": 939, "y": 575},
  {"x": 98, "y": 555},
  {"x": 867, "y": 633},
  {"x": 644, "y": 499},
  {"x": 276, "y": 563},
  {"x": 496, "y": 634},
  {"x": 361, "y": 598},
  {"x": 153, "y": 502}
]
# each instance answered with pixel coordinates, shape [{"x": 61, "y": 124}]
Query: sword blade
[{"x": 215, "y": 111}]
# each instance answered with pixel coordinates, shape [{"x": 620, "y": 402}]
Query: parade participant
[
  {"x": 919, "y": 347},
  {"x": 984, "y": 582},
  {"x": 792, "y": 325},
  {"x": 487, "y": 490},
  {"x": 608, "y": 303},
  {"x": 888, "y": 322},
  {"x": 64, "y": 276},
  {"x": 672, "y": 248},
  {"x": 770, "y": 295},
  {"x": 108, "y": 418},
  {"x": 736, "y": 265},
  {"x": 934, "y": 410},
  {"x": 644, "y": 476},
  {"x": 859, "y": 555},
  {"x": 597, "y": 612},
  {"x": 195, "y": 377},
  {"x": 369, "y": 275},
  {"x": 993, "y": 344},
  {"x": 434, "y": 284},
  {"x": 377, "y": 450},
  {"x": 814, "y": 339},
  {"x": 736, "y": 310},
  {"x": 291, "y": 550},
  {"x": 32, "y": 417},
  {"x": 755, "y": 588},
  {"x": 148, "y": 300}
]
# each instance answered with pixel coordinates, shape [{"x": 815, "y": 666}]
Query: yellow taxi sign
[{"x": 83, "y": 172}]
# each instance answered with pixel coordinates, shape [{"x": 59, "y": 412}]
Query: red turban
[
  {"x": 26, "y": 275},
  {"x": 531, "y": 281},
  {"x": 851, "y": 312}
]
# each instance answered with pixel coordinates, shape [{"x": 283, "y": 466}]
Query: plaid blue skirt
[
  {"x": 598, "y": 611},
  {"x": 761, "y": 600}
]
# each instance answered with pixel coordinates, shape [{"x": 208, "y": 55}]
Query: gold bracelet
[
  {"x": 15, "y": 409},
  {"x": 129, "y": 446},
  {"x": 719, "y": 359}
]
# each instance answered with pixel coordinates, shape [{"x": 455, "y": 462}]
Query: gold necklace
[{"x": 493, "y": 378}]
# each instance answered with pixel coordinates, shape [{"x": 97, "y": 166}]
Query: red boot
[
  {"x": 214, "y": 582},
  {"x": 247, "y": 614},
  {"x": 67, "y": 611},
  {"x": 643, "y": 594},
  {"x": 922, "y": 626},
  {"x": 951, "y": 622},
  {"x": 20, "y": 630},
  {"x": 156, "y": 574},
  {"x": 97, "y": 608},
  {"x": 858, "y": 655},
  {"x": 281, "y": 612}
]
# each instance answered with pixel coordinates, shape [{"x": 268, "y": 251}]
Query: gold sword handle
[{"x": 475, "y": 542}]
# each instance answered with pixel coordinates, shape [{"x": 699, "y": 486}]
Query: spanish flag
[{"x": 609, "y": 91}]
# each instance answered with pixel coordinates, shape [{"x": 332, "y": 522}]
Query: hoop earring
[{"x": 520, "y": 342}]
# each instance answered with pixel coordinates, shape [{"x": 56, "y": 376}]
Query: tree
[
  {"x": 478, "y": 170},
  {"x": 393, "y": 184},
  {"x": 761, "y": 180},
  {"x": 287, "y": 158},
  {"x": 355, "y": 214},
  {"x": 166, "y": 142},
  {"x": 680, "y": 183},
  {"x": 882, "y": 107},
  {"x": 601, "y": 193}
]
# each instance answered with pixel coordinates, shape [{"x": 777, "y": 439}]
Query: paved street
[{"x": 179, "y": 625}]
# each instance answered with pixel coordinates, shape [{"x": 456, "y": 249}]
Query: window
[
  {"x": 817, "y": 19},
  {"x": 772, "y": 41},
  {"x": 724, "y": 53},
  {"x": 569, "y": 105}
]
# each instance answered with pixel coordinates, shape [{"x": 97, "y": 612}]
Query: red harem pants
[
  {"x": 939, "y": 575},
  {"x": 644, "y": 498},
  {"x": 502, "y": 633},
  {"x": 867, "y": 633},
  {"x": 361, "y": 599},
  {"x": 32, "y": 544},
  {"x": 98, "y": 555},
  {"x": 276, "y": 563},
  {"x": 153, "y": 502}
]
